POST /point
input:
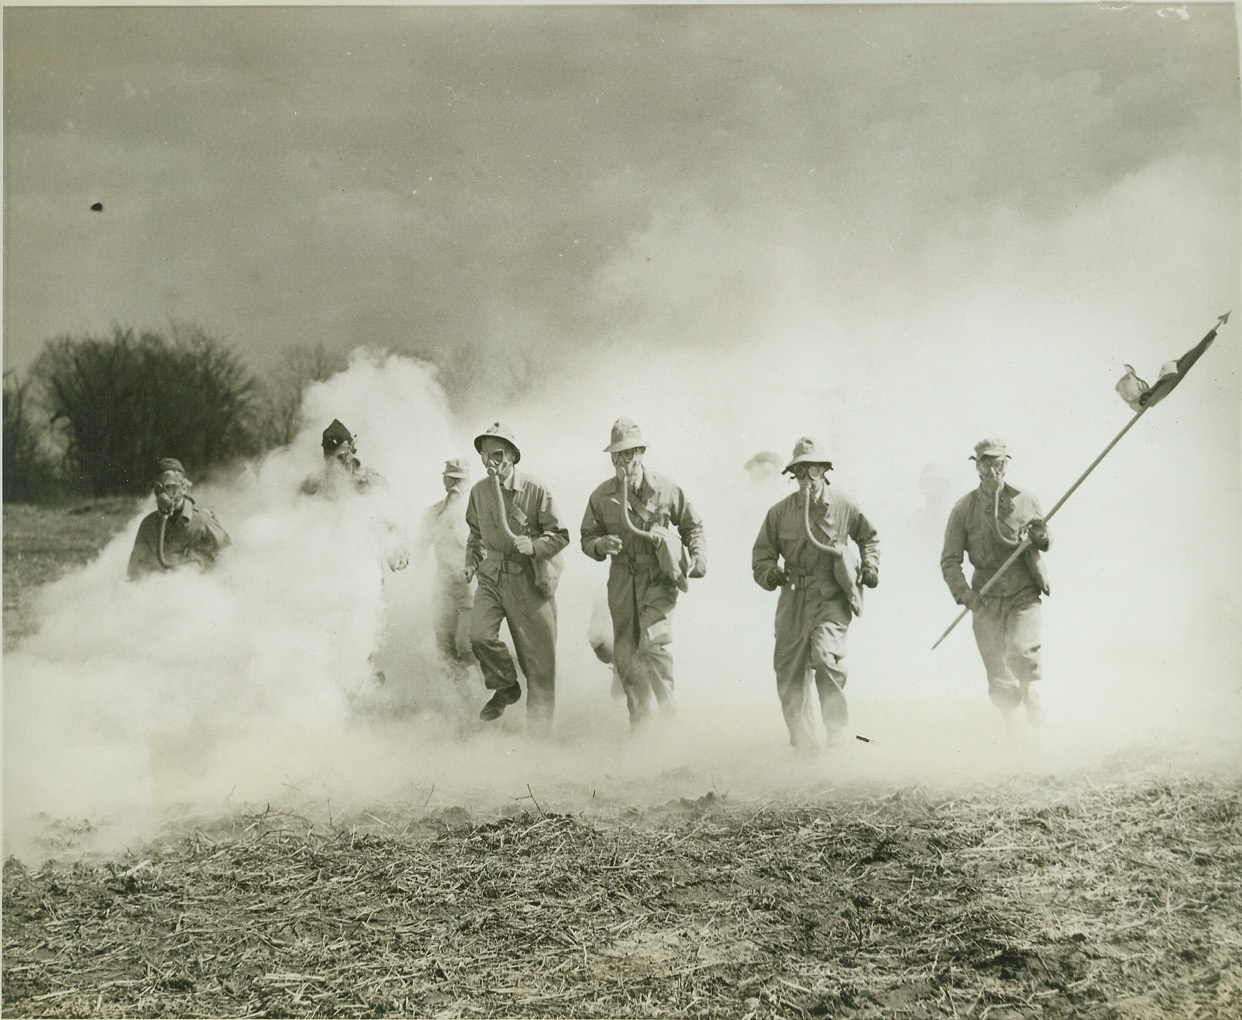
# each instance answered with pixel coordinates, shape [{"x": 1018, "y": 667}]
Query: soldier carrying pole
[
  {"x": 1135, "y": 392},
  {"x": 1005, "y": 603}
]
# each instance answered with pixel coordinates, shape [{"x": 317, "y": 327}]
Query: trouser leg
[
  {"x": 792, "y": 685},
  {"x": 499, "y": 673},
  {"x": 1023, "y": 641},
  {"x": 445, "y": 625},
  {"x": 623, "y": 608},
  {"x": 532, "y": 622},
  {"x": 461, "y": 637},
  {"x": 452, "y": 631},
  {"x": 638, "y": 696},
  {"x": 827, "y": 643},
  {"x": 642, "y": 607},
  {"x": 650, "y": 678},
  {"x": 791, "y": 662},
  {"x": 453, "y": 602},
  {"x": 988, "y": 623}
]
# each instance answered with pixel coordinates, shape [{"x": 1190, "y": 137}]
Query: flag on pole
[
  {"x": 1140, "y": 397},
  {"x": 1135, "y": 392}
]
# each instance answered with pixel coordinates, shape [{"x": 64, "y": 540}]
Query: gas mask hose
[
  {"x": 159, "y": 549},
  {"x": 1013, "y": 543},
  {"x": 832, "y": 550},
  {"x": 500, "y": 505},
  {"x": 625, "y": 509}
]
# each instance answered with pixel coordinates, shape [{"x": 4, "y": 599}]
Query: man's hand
[
  {"x": 970, "y": 600},
  {"x": 467, "y": 575},
  {"x": 609, "y": 545},
  {"x": 869, "y": 577},
  {"x": 776, "y": 578},
  {"x": 698, "y": 568},
  {"x": 1037, "y": 532},
  {"x": 524, "y": 545}
]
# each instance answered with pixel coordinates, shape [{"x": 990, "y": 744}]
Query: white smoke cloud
[
  {"x": 285, "y": 632},
  {"x": 1016, "y": 326},
  {"x": 256, "y": 682}
]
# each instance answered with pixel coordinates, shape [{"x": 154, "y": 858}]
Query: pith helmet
[
  {"x": 334, "y": 435},
  {"x": 625, "y": 436},
  {"x": 457, "y": 468},
  {"x": 498, "y": 431},
  {"x": 808, "y": 451},
  {"x": 992, "y": 447}
]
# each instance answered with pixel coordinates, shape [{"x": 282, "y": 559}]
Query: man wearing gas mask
[
  {"x": 515, "y": 538},
  {"x": 343, "y": 472},
  {"x": 178, "y": 532},
  {"x": 630, "y": 519},
  {"x": 988, "y": 524},
  {"x": 341, "y": 466},
  {"x": 444, "y": 532},
  {"x": 803, "y": 549}
]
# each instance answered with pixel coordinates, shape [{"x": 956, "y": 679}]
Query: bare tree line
[{"x": 94, "y": 412}]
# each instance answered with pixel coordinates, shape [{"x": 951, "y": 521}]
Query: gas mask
[
  {"x": 992, "y": 472},
  {"x": 169, "y": 491},
  {"x": 809, "y": 476},
  {"x": 497, "y": 459},
  {"x": 342, "y": 456},
  {"x": 629, "y": 463}
]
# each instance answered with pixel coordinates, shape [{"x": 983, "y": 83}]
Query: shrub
[
  {"x": 29, "y": 475},
  {"x": 121, "y": 402}
]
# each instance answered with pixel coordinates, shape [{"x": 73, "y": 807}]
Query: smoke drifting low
[
  {"x": 256, "y": 683},
  {"x": 895, "y": 227}
]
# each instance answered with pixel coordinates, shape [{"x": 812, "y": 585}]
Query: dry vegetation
[
  {"x": 1049, "y": 899},
  {"x": 1115, "y": 893}
]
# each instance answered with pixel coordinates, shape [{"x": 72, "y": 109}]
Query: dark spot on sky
[{"x": 97, "y": 207}]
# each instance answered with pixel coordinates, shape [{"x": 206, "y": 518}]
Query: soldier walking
[
  {"x": 809, "y": 531},
  {"x": 343, "y": 473},
  {"x": 630, "y": 519},
  {"x": 341, "y": 465},
  {"x": 343, "y": 476},
  {"x": 444, "y": 532},
  {"x": 515, "y": 536},
  {"x": 178, "y": 531},
  {"x": 988, "y": 524}
]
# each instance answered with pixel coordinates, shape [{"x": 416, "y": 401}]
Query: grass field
[
  {"x": 1109, "y": 891},
  {"x": 41, "y": 543}
]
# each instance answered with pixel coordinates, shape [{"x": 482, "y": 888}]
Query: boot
[{"x": 498, "y": 702}]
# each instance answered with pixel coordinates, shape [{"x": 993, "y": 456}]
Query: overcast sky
[{"x": 492, "y": 187}]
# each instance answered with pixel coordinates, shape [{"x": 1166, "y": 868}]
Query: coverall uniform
[
  {"x": 813, "y": 613},
  {"x": 641, "y": 597},
  {"x": 507, "y": 590},
  {"x": 192, "y": 535},
  {"x": 1006, "y": 621},
  {"x": 445, "y": 530}
]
